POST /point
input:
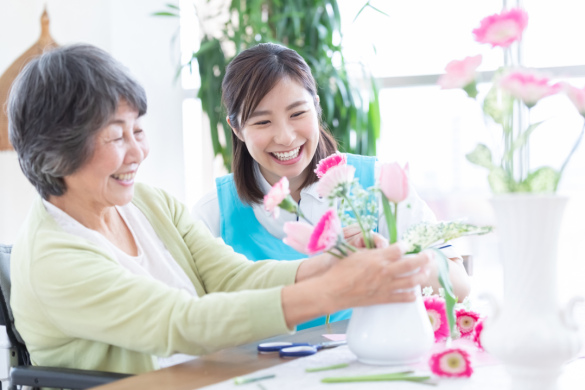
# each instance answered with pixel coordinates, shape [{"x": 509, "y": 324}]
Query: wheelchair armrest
[{"x": 61, "y": 377}]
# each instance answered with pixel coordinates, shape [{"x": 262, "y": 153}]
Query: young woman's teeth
[
  {"x": 287, "y": 155},
  {"x": 124, "y": 176}
]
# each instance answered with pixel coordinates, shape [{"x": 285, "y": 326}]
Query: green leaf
[
  {"x": 521, "y": 140},
  {"x": 498, "y": 104},
  {"x": 390, "y": 218},
  {"x": 445, "y": 281},
  {"x": 165, "y": 13},
  {"x": 544, "y": 179},
  {"x": 500, "y": 181},
  {"x": 481, "y": 156}
]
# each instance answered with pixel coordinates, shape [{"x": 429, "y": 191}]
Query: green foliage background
[{"x": 313, "y": 29}]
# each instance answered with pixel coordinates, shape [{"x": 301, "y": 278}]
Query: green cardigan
[{"x": 75, "y": 306}]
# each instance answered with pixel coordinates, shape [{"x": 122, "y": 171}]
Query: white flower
[
  {"x": 427, "y": 291},
  {"x": 426, "y": 234}
]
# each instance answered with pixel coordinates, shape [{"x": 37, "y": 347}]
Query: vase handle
[
  {"x": 568, "y": 313},
  {"x": 493, "y": 304}
]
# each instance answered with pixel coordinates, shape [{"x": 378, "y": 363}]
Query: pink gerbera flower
[
  {"x": 477, "y": 333},
  {"x": 326, "y": 233},
  {"x": 452, "y": 362},
  {"x": 458, "y": 74},
  {"x": 334, "y": 177},
  {"x": 577, "y": 97},
  {"x": 437, "y": 313},
  {"x": 466, "y": 321},
  {"x": 502, "y": 29},
  {"x": 275, "y": 196},
  {"x": 298, "y": 235},
  {"x": 528, "y": 86},
  {"x": 329, "y": 162}
]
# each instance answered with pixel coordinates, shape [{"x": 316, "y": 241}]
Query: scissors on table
[{"x": 286, "y": 349}]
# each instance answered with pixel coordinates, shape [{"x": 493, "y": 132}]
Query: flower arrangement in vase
[
  {"x": 528, "y": 213},
  {"x": 374, "y": 334}
]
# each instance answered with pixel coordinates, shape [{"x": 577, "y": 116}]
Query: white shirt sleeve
[{"x": 207, "y": 210}]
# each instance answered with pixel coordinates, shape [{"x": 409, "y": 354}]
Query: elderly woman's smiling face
[{"x": 107, "y": 178}]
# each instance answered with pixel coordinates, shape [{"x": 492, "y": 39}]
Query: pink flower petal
[
  {"x": 577, "y": 96},
  {"x": 326, "y": 233},
  {"x": 335, "y": 176},
  {"x": 298, "y": 235},
  {"x": 329, "y": 162},
  {"x": 393, "y": 182},
  {"x": 437, "y": 313},
  {"x": 458, "y": 74},
  {"x": 528, "y": 86},
  {"x": 477, "y": 333},
  {"x": 466, "y": 321},
  {"x": 452, "y": 362},
  {"x": 502, "y": 29},
  {"x": 275, "y": 196}
]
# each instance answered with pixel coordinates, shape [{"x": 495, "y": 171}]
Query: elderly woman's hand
[{"x": 367, "y": 277}]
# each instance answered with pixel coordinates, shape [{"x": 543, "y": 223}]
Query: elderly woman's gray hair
[{"x": 56, "y": 106}]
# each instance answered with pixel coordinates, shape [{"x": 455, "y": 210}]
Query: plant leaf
[
  {"x": 445, "y": 281},
  {"x": 481, "y": 156},
  {"x": 499, "y": 180},
  {"x": 544, "y": 179},
  {"x": 521, "y": 140}
]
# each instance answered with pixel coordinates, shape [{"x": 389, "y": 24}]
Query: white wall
[{"x": 142, "y": 42}]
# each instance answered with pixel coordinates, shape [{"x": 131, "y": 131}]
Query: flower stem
[
  {"x": 390, "y": 218},
  {"x": 349, "y": 246},
  {"x": 359, "y": 221},
  {"x": 335, "y": 254},
  {"x": 570, "y": 155},
  {"x": 327, "y": 319}
]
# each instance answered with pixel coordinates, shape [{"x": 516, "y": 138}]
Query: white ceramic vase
[
  {"x": 528, "y": 333},
  {"x": 390, "y": 334}
]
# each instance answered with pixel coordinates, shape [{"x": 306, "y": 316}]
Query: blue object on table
[
  {"x": 277, "y": 346},
  {"x": 305, "y": 350}
]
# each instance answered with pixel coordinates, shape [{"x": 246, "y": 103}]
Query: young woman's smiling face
[{"x": 283, "y": 132}]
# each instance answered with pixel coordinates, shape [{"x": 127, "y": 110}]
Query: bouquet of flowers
[
  {"x": 358, "y": 205},
  {"x": 513, "y": 90}
]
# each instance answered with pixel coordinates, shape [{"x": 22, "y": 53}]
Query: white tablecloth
[{"x": 488, "y": 375}]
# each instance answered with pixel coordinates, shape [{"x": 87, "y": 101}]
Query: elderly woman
[{"x": 109, "y": 274}]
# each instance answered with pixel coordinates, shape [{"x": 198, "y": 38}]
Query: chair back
[{"x": 6, "y": 317}]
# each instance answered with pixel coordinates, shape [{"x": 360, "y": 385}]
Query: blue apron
[{"x": 241, "y": 230}]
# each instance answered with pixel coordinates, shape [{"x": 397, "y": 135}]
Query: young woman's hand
[{"x": 353, "y": 235}]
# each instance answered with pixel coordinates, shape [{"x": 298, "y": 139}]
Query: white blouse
[{"x": 411, "y": 211}]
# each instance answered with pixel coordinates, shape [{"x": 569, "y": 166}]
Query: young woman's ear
[{"x": 236, "y": 132}]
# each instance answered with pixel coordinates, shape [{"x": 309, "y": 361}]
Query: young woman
[{"x": 273, "y": 108}]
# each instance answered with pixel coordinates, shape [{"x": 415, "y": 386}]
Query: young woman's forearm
[{"x": 458, "y": 276}]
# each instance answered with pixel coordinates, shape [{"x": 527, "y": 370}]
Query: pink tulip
[
  {"x": 452, "y": 362},
  {"x": 275, "y": 196},
  {"x": 393, "y": 182},
  {"x": 577, "y": 96},
  {"x": 502, "y": 29},
  {"x": 528, "y": 86},
  {"x": 460, "y": 73},
  {"x": 326, "y": 234},
  {"x": 335, "y": 177},
  {"x": 329, "y": 162},
  {"x": 298, "y": 235}
]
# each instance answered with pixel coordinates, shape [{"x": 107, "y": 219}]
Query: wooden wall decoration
[{"x": 45, "y": 42}]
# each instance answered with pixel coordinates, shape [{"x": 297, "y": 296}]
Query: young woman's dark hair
[{"x": 249, "y": 77}]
